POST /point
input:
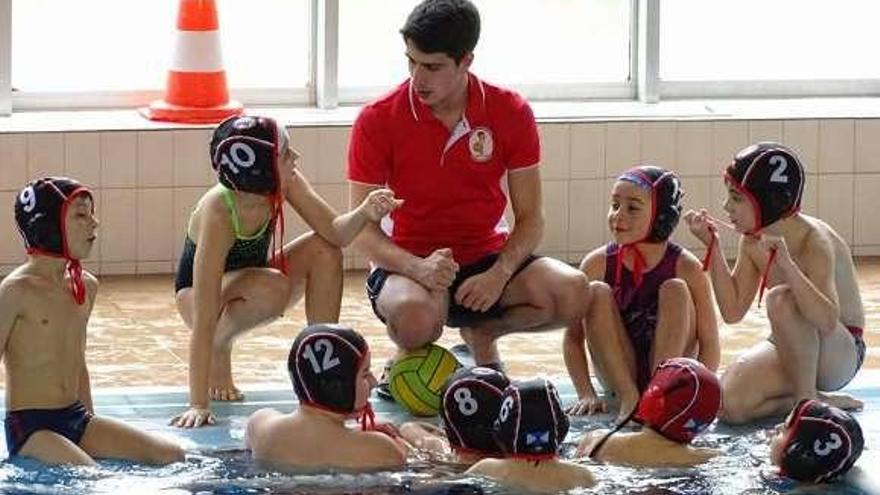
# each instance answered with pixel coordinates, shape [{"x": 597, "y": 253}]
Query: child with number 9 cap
[
  {"x": 813, "y": 302},
  {"x": 234, "y": 273},
  {"x": 45, "y": 305},
  {"x": 470, "y": 399},
  {"x": 529, "y": 430},
  {"x": 817, "y": 443},
  {"x": 329, "y": 368}
]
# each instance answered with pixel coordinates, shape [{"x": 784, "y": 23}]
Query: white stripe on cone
[{"x": 197, "y": 51}]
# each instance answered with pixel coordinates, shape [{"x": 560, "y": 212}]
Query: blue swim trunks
[{"x": 69, "y": 422}]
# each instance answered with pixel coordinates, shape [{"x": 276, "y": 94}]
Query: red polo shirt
[{"x": 450, "y": 181}]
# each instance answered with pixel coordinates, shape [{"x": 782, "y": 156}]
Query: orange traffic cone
[{"x": 196, "y": 91}]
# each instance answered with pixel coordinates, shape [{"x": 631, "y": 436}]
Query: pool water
[{"x": 216, "y": 462}]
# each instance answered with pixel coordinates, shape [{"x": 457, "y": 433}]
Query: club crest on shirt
[{"x": 481, "y": 144}]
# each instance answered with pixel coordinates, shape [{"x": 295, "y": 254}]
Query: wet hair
[
  {"x": 821, "y": 442},
  {"x": 771, "y": 177},
  {"x": 444, "y": 26},
  {"x": 470, "y": 401},
  {"x": 324, "y": 363},
  {"x": 664, "y": 186}
]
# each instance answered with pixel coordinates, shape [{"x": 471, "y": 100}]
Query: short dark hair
[{"x": 444, "y": 26}]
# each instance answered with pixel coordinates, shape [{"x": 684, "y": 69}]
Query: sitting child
[
  {"x": 681, "y": 400},
  {"x": 817, "y": 443},
  {"x": 45, "y": 305},
  {"x": 471, "y": 398},
  {"x": 329, "y": 367},
  {"x": 813, "y": 303},
  {"x": 530, "y": 428},
  {"x": 649, "y": 298}
]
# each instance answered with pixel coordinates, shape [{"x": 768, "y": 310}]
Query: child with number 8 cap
[
  {"x": 529, "y": 430},
  {"x": 329, "y": 368},
  {"x": 234, "y": 273},
  {"x": 469, "y": 406},
  {"x": 812, "y": 296}
]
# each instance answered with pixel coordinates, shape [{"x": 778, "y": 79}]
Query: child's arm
[
  {"x": 338, "y": 230},
  {"x": 10, "y": 308},
  {"x": 735, "y": 290},
  {"x": 214, "y": 241},
  {"x": 706, "y": 324},
  {"x": 813, "y": 287},
  {"x": 426, "y": 437}
]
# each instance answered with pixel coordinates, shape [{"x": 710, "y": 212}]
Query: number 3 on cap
[{"x": 237, "y": 160}]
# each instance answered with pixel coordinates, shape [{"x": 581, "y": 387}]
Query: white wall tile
[
  {"x": 155, "y": 159},
  {"x": 588, "y": 207},
  {"x": 555, "y": 216},
  {"x": 837, "y": 203},
  {"x": 697, "y": 194},
  {"x": 192, "y": 165},
  {"x": 657, "y": 144},
  {"x": 118, "y": 215},
  {"x": 810, "y": 198},
  {"x": 45, "y": 155},
  {"x": 335, "y": 194},
  {"x": 727, "y": 139},
  {"x": 802, "y": 136},
  {"x": 868, "y": 145},
  {"x": 118, "y": 268},
  {"x": 95, "y": 255},
  {"x": 118, "y": 159},
  {"x": 693, "y": 149},
  {"x": 555, "y": 151},
  {"x": 587, "y": 151},
  {"x": 11, "y": 245},
  {"x": 13, "y": 162},
  {"x": 332, "y": 155},
  {"x": 836, "y": 146},
  {"x": 305, "y": 141},
  {"x": 155, "y": 220},
  {"x": 621, "y": 147},
  {"x": 765, "y": 130},
  {"x": 294, "y": 225},
  {"x": 82, "y": 157},
  {"x": 866, "y": 224}
]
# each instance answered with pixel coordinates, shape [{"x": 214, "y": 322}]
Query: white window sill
[{"x": 561, "y": 111}]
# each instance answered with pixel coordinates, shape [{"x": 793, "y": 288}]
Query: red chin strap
[
  {"x": 367, "y": 418},
  {"x": 638, "y": 263},
  {"x": 279, "y": 261}
]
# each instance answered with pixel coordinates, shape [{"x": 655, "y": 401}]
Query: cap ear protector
[
  {"x": 821, "y": 442},
  {"x": 470, "y": 401},
  {"x": 771, "y": 177},
  {"x": 41, "y": 216},
  {"x": 666, "y": 192}
]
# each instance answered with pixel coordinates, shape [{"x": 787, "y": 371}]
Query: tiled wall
[{"x": 146, "y": 181}]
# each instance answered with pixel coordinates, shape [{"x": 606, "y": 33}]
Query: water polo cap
[
  {"x": 682, "y": 399},
  {"x": 324, "y": 364},
  {"x": 531, "y": 423},
  {"x": 40, "y": 214},
  {"x": 470, "y": 401},
  {"x": 246, "y": 153},
  {"x": 821, "y": 442},
  {"x": 771, "y": 177}
]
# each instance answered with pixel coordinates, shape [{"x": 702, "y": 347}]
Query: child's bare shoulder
[
  {"x": 21, "y": 283},
  {"x": 688, "y": 263}
]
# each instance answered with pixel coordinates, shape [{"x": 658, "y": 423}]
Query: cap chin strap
[
  {"x": 279, "y": 260},
  {"x": 639, "y": 263},
  {"x": 74, "y": 273},
  {"x": 367, "y": 418}
]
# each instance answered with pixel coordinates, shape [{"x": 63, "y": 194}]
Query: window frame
[{"x": 322, "y": 89}]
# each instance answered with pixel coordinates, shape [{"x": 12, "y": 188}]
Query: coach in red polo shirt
[{"x": 444, "y": 141}]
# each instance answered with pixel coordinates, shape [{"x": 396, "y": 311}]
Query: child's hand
[
  {"x": 700, "y": 225},
  {"x": 379, "y": 203},
  {"x": 589, "y": 405},
  {"x": 194, "y": 417}
]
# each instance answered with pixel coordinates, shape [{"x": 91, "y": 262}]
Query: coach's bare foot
[
  {"x": 220, "y": 384},
  {"x": 843, "y": 401}
]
